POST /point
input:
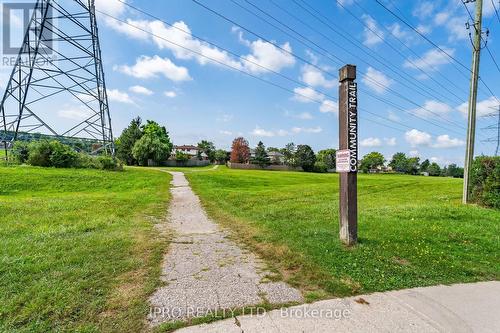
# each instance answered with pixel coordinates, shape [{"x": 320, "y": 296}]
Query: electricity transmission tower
[
  {"x": 495, "y": 127},
  {"x": 57, "y": 83}
]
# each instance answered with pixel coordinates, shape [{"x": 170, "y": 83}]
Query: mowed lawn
[
  {"x": 78, "y": 248},
  {"x": 413, "y": 230}
]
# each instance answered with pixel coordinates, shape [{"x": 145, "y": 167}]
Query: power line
[
  {"x": 324, "y": 71},
  {"x": 496, "y": 10},
  {"x": 356, "y": 2},
  {"x": 370, "y": 54},
  {"x": 234, "y": 68},
  {"x": 423, "y": 36},
  {"x": 480, "y": 33},
  {"x": 437, "y": 46}
]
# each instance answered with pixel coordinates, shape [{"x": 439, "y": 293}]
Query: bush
[
  {"x": 46, "y": 153},
  {"x": 62, "y": 156},
  {"x": 320, "y": 167},
  {"x": 109, "y": 163},
  {"x": 20, "y": 151},
  {"x": 485, "y": 181},
  {"x": 39, "y": 153}
]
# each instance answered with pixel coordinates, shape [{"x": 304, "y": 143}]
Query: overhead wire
[{"x": 243, "y": 71}]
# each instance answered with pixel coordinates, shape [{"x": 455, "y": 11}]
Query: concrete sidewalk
[{"x": 473, "y": 307}]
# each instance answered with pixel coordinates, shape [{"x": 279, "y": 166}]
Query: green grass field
[
  {"x": 413, "y": 231},
  {"x": 78, "y": 249}
]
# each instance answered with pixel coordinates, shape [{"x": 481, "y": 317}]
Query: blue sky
[{"x": 197, "y": 98}]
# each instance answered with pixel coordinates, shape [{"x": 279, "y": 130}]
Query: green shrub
[
  {"x": 39, "y": 153},
  {"x": 20, "y": 151},
  {"x": 485, "y": 181},
  {"x": 109, "y": 163},
  {"x": 320, "y": 167},
  {"x": 85, "y": 161},
  {"x": 62, "y": 156},
  {"x": 55, "y": 154}
]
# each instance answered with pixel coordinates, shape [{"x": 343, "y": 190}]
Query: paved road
[
  {"x": 205, "y": 271},
  {"x": 473, "y": 307}
]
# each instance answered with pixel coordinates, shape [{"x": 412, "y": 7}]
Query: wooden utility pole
[
  {"x": 471, "y": 125},
  {"x": 347, "y": 156}
]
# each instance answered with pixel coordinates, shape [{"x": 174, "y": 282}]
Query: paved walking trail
[
  {"x": 204, "y": 270},
  {"x": 473, "y": 307}
]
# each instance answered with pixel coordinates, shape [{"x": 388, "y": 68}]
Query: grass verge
[{"x": 78, "y": 248}]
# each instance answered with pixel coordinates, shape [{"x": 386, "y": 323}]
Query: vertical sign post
[{"x": 348, "y": 155}]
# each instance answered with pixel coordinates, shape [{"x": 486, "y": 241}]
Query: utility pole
[{"x": 471, "y": 125}]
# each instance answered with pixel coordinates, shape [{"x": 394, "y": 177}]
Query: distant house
[
  {"x": 190, "y": 150},
  {"x": 276, "y": 157}
]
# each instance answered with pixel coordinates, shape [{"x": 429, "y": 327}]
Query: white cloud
[
  {"x": 390, "y": 141},
  {"x": 372, "y": 34},
  {"x": 489, "y": 9},
  {"x": 307, "y": 95},
  {"x": 418, "y": 138},
  {"x": 267, "y": 55},
  {"x": 376, "y": 80},
  {"x": 431, "y": 60},
  {"x": 298, "y": 130},
  {"x": 431, "y": 108},
  {"x": 170, "y": 93},
  {"x": 262, "y": 132},
  {"x": 345, "y": 2},
  {"x": 444, "y": 141},
  {"x": 75, "y": 113},
  {"x": 483, "y": 107},
  {"x": 314, "y": 77},
  {"x": 371, "y": 142},
  {"x": 141, "y": 90},
  {"x": 442, "y": 17},
  {"x": 424, "y": 9},
  {"x": 150, "y": 67},
  {"x": 225, "y": 118},
  {"x": 303, "y": 115},
  {"x": 414, "y": 153},
  {"x": 228, "y": 133},
  {"x": 179, "y": 39},
  {"x": 329, "y": 106},
  {"x": 397, "y": 31},
  {"x": 119, "y": 96},
  {"x": 393, "y": 116},
  {"x": 423, "y": 29},
  {"x": 115, "y": 8}
]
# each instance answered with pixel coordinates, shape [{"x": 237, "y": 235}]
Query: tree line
[
  {"x": 294, "y": 156},
  {"x": 401, "y": 163}
]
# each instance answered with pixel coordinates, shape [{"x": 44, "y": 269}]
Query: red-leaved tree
[{"x": 240, "y": 152}]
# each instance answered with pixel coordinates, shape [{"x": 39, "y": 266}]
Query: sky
[{"x": 268, "y": 72}]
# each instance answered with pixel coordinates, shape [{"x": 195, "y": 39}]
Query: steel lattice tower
[{"x": 59, "y": 62}]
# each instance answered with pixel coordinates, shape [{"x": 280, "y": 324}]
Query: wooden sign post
[{"x": 347, "y": 156}]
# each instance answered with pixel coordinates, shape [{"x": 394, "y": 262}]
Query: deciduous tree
[
  {"x": 327, "y": 156},
  {"x": 208, "y": 148},
  {"x": 154, "y": 145},
  {"x": 305, "y": 157},
  {"x": 372, "y": 160},
  {"x": 240, "y": 151},
  {"x": 399, "y": 162},
  {"x": 434, "y": 169}
]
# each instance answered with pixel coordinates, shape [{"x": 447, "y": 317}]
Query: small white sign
[{"x": 343, "y": 158}]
